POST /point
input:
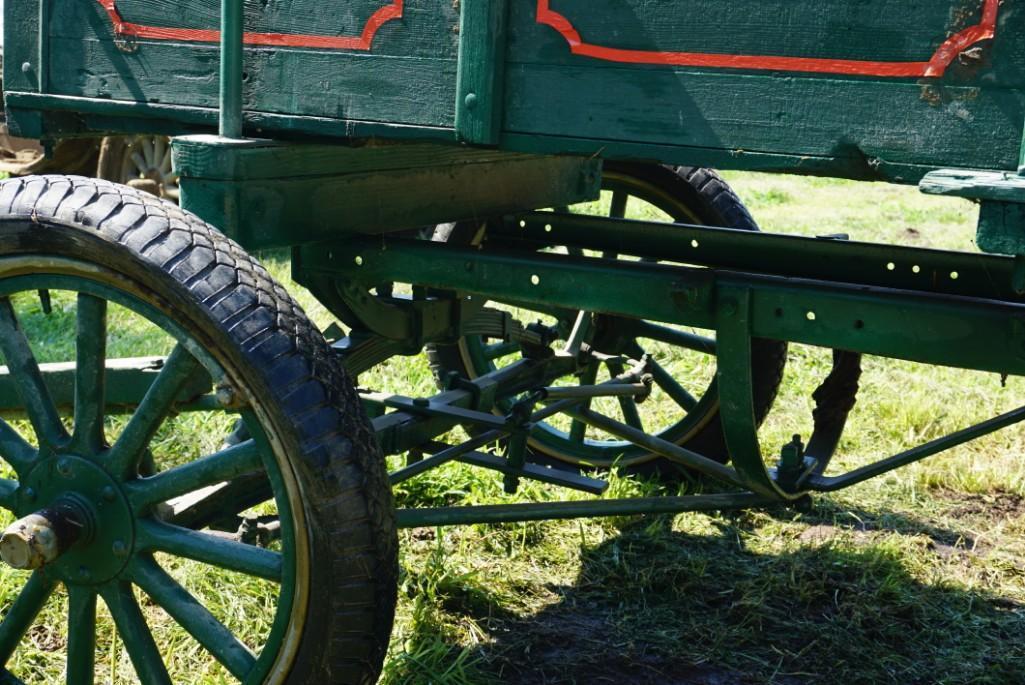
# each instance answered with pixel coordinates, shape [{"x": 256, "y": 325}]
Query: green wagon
[{"x": 340, "y": 131}]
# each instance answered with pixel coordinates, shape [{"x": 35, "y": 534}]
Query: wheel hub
[{"x": 76, "y": 521}]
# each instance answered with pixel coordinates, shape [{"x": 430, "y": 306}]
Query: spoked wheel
[
  {"x": 121, "y": 548},
  {"x": 684, "y": 407},
  {"x": 141, "y": 162}
]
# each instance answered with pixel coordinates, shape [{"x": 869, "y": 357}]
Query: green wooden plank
[
  {"x": 481, "y": 70},
  {"x": 869, "y": 123}
]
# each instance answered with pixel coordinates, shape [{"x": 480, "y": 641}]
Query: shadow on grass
[{"x": 657, "y": 606}]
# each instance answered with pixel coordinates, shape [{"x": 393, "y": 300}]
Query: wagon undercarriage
[{"x": 452, "y": 179}]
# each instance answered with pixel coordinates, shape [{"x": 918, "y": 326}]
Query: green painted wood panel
[{"x": 869, "y": 88}]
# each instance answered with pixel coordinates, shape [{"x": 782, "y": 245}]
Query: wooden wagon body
[{"x": 883, "y": 89}]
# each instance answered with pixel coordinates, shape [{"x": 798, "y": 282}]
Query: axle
[{"x": 40, "y": 538}]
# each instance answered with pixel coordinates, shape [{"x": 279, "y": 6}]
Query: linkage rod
[
  {"x": 509, "y": 513},
  {"x": 834, "y": 483},
  {"x": 661, "y": 447}
]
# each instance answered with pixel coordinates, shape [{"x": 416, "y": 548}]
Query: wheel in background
[
  {"x": 140, "y": 162},
  {"x": 684, "y": 408}
]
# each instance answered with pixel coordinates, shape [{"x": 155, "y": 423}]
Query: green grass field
[{"x": 917, "y": 577}]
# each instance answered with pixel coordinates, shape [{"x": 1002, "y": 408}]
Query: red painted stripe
[
  {"x": 936, "y": 66},
  {"x": 362, "y": 42}
]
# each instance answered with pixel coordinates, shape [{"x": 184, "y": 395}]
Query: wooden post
[{"x": 479, "y": 87}]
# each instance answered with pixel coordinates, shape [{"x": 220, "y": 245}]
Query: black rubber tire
[
  {"x": 713, "y": 203},
  {"x": 231, "y": 304}
]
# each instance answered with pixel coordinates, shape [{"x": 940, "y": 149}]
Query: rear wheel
[
  {"x": 684, "y": 408},
  {"x": 141, "y": 162},
  {"x": 270, "y": 561}
]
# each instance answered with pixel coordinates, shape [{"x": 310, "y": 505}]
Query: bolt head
[
  {"x": 84, "y": 573},
  {"x": 26, "y": 67},
  {"x": 119, "y": 548},
  {"x": 29, "y": 494},
  {"x": 109, "y": 494},
  {"x": 64, "y": 467}
]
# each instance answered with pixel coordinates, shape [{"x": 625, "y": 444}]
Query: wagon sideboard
[{"x": 874, "y": 89}]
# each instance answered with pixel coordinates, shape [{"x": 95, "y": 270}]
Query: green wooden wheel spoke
[
  {"x": 14, "y": 449},
  {"x": 689, "y": 341},
  {"x": 19, "y": 617},
  {"x": 131, "y": 626},
  {"x": 578, "y": 429},
  {"x": 28, "y": 379},
  {"x": 158, "y": 402},
  {"x": 620, "y": 198},
  {"x": 671, "y": 387},
  {"x": 209, "y": 549},
  {"x": 90, "y": 373},
  {"x": 8, "y": 488},
  {"x": 81, "y": 636},
  {"x": 626, "y": 404},
  {"x": 221, "y": 466},
  {"x": 193, "y": 617}
]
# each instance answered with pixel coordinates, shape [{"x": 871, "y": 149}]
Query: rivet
[
  {"x": 29, "y": 494},
  {"x": 119, "y": 548},
  {"x": 108, "y": 494},
  {"x": 811, "y": 316},
  {"x": 470, "y": 100},
  {"x": 535, "y": 279},
  {"x": 64, "y": 467},
  {"x": 359, "y": 261},
  {"x": 26, "y": 67}
]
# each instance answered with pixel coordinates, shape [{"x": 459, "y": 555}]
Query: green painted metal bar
[
  {"x": 669, "y": 450},
  {"x": 736, "y": 389},
  {"x": 232, "y": 56},
  {"x": 970, "y": 333},
  {"x": 443, "y": 457},
  {"x": 887, "y": 266},
  {"x": 833, "y": 483},
  {"x": 511, "y": 513}
]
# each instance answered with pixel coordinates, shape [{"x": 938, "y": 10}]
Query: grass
[{"x": 915, "y": 577}]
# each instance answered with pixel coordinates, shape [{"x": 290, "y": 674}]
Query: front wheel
[{"x": 269, "y": 561}]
